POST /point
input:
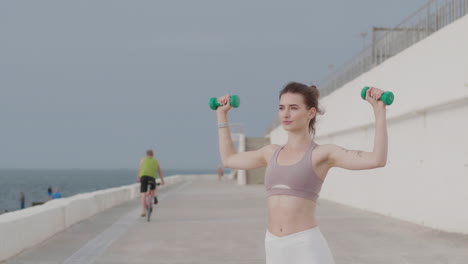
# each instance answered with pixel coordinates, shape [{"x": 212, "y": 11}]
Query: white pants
[{"x": 305, "y": 247}]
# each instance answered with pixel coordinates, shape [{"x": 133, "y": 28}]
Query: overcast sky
[{"x": 92, "y": 84}]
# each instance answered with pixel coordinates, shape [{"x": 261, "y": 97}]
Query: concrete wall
[
  {"x": 426, "y": 177},
  {"x": 22, "y": 229}
]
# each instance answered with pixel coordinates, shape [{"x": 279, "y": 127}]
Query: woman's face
[{"x": 293, "y": 113}]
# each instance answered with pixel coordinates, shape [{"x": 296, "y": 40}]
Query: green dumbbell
[
  {"x": 235, "y": 102},
  {"x": 386, "y": 97}
]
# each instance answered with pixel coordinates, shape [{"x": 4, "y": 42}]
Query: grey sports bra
[{"x": 298, "y": 179}]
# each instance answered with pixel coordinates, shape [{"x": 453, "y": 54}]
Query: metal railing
[{"x": 387, "y": 42}]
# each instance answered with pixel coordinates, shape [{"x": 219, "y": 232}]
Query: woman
[{"x": 295, "y": 172}]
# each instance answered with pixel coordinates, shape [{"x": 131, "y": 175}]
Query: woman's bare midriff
[{"x": 290, "y": 214}]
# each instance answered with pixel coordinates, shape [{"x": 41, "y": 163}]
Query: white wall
[
  {"x": 22, "y": 229},
  {"x": 426, "y": 177}
]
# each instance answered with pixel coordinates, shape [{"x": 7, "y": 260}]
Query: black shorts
[{"x": 145, "y": 181}]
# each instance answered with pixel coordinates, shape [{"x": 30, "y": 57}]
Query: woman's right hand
[{"x": 225, "y": 104}]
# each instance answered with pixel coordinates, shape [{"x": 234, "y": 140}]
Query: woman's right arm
[{"x": 229, "y": 156}]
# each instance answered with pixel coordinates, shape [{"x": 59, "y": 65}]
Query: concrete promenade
[{"x": 206, "y": 221}]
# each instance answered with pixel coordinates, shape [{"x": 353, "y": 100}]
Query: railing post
[
  {"x": 373, "y": 47},
  {"x": 241, "y": 174}
]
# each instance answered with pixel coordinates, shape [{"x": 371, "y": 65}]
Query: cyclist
[{"x": 148, "y": 171}]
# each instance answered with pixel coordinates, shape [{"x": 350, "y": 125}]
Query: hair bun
[{"x": 315, "y": 91}]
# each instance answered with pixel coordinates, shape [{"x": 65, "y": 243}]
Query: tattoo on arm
[{"x": 357, "y": 152}]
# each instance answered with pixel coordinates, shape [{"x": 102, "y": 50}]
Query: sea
[{"x": 35, "y": 182}]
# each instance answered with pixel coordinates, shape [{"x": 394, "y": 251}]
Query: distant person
[
  {"x": 148, "y": 171},
  {"x": 22, "y": 200},
  {"x": 56, "y": 194},
  {"x": 295, "y": 171},
  {"x": 49, "y": 192},
  {"x": 220, "y": 172}
]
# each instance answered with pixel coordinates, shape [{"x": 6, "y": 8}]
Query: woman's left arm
[{"x": 361, "y": 160}]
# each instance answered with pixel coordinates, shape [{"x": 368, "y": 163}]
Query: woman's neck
[{"x": 298, "y": 140}]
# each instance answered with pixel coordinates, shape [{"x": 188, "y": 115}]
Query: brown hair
[
  {"x": 149, "y": 152},
  {"x": 310, "y": 95}
]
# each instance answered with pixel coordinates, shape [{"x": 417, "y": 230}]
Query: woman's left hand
[{"x": 372, "y": 96}]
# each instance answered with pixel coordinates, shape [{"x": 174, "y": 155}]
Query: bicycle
[{"x": 149, "y": 200}]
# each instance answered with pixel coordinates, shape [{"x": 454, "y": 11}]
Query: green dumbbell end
[
  {"x": 364, "y": 91},
  {"x": 214, "y": 103},
  {"x": 387, "y": 98},
  {"x": 235, "y": 101}
]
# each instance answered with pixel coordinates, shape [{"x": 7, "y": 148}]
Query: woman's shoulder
[
  {"x": 324, "y": 150},
  {"x": 269, "y": 150},
  {"x": 271, "y": 147},
  {"x": 328, "y": 147}
]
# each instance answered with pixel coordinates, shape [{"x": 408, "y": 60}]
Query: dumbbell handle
[
  {"x": 386, "y": 97},
  {"x": 234, "y": 101}
]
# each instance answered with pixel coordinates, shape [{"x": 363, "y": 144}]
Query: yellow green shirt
[{"x": 149, "y": 167}]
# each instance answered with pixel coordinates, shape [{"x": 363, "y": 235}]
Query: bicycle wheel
[{"x": 148, "y": 207}]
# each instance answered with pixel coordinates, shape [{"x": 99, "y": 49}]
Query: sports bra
[{"x": 298, "y": 179}]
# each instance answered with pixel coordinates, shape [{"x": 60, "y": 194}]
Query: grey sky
[{"x": 92, "y": 84}]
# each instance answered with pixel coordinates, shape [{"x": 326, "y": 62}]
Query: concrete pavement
[{"x": 205, "y": 221}]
